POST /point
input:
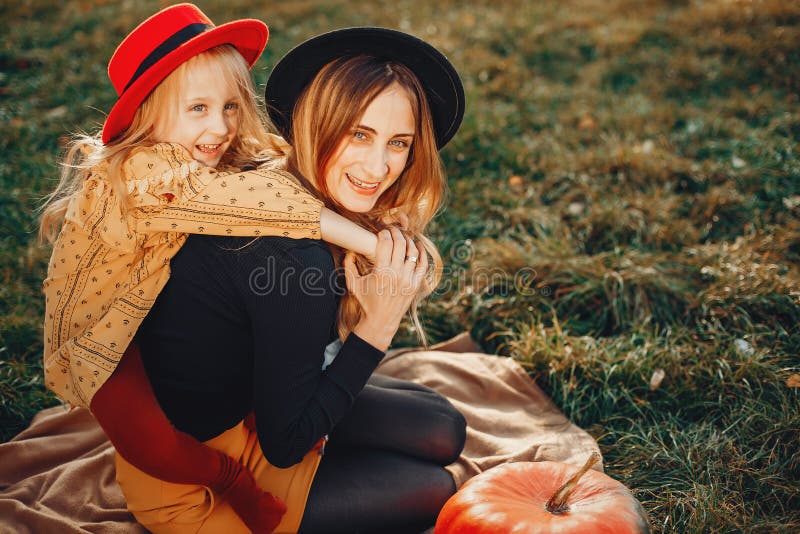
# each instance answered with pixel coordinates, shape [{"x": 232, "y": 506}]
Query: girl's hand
[{"x": 386, "y": 292}]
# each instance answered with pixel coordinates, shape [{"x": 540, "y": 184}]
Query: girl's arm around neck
[{"x": 345, "y": 233}]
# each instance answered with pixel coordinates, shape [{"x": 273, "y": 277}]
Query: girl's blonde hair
[
  {"x": 253, "y": 144},
  {"x": 326, "y": 112}
]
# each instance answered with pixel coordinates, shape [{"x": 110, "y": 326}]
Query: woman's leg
[
  {"x": 374, "y": 491},
  {"x": 404, "y": 417}
]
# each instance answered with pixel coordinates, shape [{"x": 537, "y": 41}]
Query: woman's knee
[
  {"x": 451, "y": 434},
  {"x": 442, "y": 424}
]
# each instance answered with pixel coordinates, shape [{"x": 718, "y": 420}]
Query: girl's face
[
  {"x": 373, "y": 154},
  {"x": 205, "y": 120}
]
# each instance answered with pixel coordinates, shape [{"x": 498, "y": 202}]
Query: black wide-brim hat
[{"x": 438, "y": 77}]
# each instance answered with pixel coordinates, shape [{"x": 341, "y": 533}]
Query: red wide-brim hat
[{"x": 160, "y": 44}]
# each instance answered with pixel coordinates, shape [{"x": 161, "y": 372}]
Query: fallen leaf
[
  {"x": 644, "y": 148},
  {"x": 743, "y": 348},
  {"x": 587, "y": 122},
  {"x": 791, "y": 202},
  {"x": 575, "y": 208},
  {"x": 793, "y": 381},
  {"x": 515, "y": 181},
  {"x": 655, "y": 380},
  {"x": 56, "y": 112}
]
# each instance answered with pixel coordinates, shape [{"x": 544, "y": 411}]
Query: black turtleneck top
[{"x": 242, "y": 325}]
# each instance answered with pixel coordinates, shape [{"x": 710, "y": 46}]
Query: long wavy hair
[
  {"x": 253, "y": 144},
  {"x": 325, "y": 113}
]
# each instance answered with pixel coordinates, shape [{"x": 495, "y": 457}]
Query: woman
[{"x": 261, "y": 312}]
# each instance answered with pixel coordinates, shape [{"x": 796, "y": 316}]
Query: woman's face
[{"x": 371, "y": 156}]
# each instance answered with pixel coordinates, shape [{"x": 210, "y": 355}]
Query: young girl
[{"x": 167, "y": 164}]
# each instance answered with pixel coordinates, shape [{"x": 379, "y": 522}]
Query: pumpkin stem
[{"x": 557, "y": 504}]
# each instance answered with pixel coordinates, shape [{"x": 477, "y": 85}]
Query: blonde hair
[
  {"x": 253, "y": 144},
  {"x": 326, "y": 112}
]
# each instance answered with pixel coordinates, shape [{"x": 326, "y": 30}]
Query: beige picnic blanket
[
  {"x": 57, "y": 476},
  {"x": 509, "y": 419}
]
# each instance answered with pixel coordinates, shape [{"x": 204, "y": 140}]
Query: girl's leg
[
  {"x": 404, "y": 417},
  {"x": 374, "y": 491},
  {"x": 128, "y": 411}
]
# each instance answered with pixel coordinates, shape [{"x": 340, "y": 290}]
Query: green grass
[{"x": 652, "y": 224}]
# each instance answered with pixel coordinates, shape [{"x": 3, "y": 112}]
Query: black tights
[{"x": 383, "y": 468}]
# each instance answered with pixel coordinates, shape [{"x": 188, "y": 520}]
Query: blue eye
[
  {"x": 199, "y": 107},
  {"x": 359, "y": 135},
  {"x": 231, "y": 106},
  {"x": 400, "y": 144}
]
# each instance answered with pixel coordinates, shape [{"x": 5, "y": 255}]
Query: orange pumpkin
[{"x": 542, "y": 497}]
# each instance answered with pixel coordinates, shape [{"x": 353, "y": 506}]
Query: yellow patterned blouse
[{"x": 109, "y": 264}]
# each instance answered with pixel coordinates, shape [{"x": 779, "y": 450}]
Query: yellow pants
[{"x": 163, "y": 507}]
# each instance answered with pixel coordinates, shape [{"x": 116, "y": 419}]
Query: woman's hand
[{"x": 386, "y": 292}]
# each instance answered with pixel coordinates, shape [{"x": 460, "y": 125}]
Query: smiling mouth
[
  {"x": 208, "y": 149},
  {"x": 362, "y": 185}
]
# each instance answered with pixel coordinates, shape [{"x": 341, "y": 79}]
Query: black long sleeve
[{"x": 243, "y": 325}]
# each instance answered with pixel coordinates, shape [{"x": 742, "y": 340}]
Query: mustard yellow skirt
[{"x": 163, "y": 507}]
